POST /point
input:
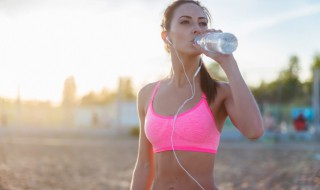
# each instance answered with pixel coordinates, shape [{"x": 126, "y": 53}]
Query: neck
[{"x": 190, "y": 63}]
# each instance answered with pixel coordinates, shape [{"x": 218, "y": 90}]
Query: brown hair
[{"x": 207, "y": 83}]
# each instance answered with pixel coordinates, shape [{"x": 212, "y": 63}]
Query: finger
[
  {"x": 211, "y": 30},
  {"x": 202, "y": 32},
  {"x": 214, "y": 30}
]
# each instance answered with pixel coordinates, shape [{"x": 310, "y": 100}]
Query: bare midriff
[{"x": 170, "y": 176}]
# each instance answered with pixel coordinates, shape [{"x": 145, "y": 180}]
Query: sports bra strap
[{"x": 154, "y": 91}]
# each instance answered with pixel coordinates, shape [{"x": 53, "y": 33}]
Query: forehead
[{"x": 189, "y": 9}]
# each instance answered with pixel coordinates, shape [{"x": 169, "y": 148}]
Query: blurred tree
[
  {"x": 106, "y": 96},
  {"x": 308, "y": 85},
  {"x": 289, "y": 85},
  {"x": 216, "y": 72},
  {"x": 69, "y": 92},
  {"x": 89, "y": 99},
  {"x": 292, "y": 72},
  {"x": 103, "y": 97},
  {"x": 315, "y": 92},
  {"x": 285, "y": 89},
  {"x": 316, "y": 62},
  {"x": 262, "y": 93},
  {"x": 126, "y": 90},
  {"x": 69, "y": 101}
]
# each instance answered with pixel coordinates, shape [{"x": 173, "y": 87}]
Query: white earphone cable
[{"x": 192, "y": 87}]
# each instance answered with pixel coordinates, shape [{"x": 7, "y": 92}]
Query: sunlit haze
[{"x": 42, "y": 42}]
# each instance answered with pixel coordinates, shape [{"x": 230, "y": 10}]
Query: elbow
[
  {"x": 256, "y": 135},
  {"x": 256, "y": 131}
]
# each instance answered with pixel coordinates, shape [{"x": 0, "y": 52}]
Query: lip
[
  {"x": 192, "y": 42},
  {"x": 193, "y": 39}
]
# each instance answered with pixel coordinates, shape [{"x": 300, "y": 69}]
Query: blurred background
[{"x": 70, "y": 72}]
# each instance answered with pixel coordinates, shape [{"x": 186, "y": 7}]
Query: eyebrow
[{"x": 189, "y": 17}]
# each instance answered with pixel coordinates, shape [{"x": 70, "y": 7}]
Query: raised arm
[
  {"x": 144, "y": 171},
  {"x": 240, "y": 103}
]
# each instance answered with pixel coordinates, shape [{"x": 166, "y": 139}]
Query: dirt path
[{"x": 101, "y": 162}]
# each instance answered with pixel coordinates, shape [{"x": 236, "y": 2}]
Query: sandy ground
[{"x": 96, "y": 160}]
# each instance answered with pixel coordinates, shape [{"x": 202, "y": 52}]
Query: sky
[{"x": 42, "y": 42}]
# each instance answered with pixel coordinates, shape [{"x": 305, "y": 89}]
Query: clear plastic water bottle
[{"x": 224, "y": 43}]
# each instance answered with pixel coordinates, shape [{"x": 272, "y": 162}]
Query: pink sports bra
[{"x": 195, "y": 129}]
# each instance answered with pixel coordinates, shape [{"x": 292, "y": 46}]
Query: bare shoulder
[
  {"x": 146, "y": 90},
  {"x": 144, "y": 95}
]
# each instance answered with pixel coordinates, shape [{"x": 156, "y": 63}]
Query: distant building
[{"x": 113, "y": 115}]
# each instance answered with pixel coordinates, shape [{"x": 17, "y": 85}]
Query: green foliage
[
  {"x": 286, "y": 89},
  {"x": 216, "y": 72},
  {"x": 126, "y": 91},
  {"x": 97, "y": 98},
  {"x": 135, "y": 131},
  {"x": 292, "y": 72},
  {"x": 316, "y": 62}
]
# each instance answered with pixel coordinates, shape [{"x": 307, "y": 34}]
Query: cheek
[
  {"x": 180, "y": 36},
  {"x": 179, "y": 33}
]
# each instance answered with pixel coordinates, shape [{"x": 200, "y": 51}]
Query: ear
[{"x": 164, "y": 35}]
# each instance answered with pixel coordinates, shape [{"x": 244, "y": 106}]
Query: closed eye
[
  {"x": 203, "y": 24},
  {"x": 185, "y": 22}
]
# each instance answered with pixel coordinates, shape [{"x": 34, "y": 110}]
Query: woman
[{"x": 179, "y": 152}]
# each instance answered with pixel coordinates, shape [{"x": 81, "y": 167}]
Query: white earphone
[
  {"x": 197, "y": 71},
  {"x": 167, "y": 38},
  {"x": 193, "y": 91}
]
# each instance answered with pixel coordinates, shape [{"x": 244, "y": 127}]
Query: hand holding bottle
[{"x": 215, "y": 43}]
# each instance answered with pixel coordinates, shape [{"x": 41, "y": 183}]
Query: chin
[
  {"x": 190, "y": 50},
  {"x": 195, "y": 52}
]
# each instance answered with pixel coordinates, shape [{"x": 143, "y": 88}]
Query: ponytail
[{"x": 208, "y": 84}]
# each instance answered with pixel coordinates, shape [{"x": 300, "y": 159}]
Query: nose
[{"x": 196, "y": 29}]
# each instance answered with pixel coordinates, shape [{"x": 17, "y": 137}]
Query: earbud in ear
[{"x": 167, "y": 38}]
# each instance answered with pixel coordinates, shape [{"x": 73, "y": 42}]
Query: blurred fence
[{"x": 114, "y": 115}]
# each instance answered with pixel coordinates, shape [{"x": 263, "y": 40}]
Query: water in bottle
[{"x": 220, "y": 42}]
